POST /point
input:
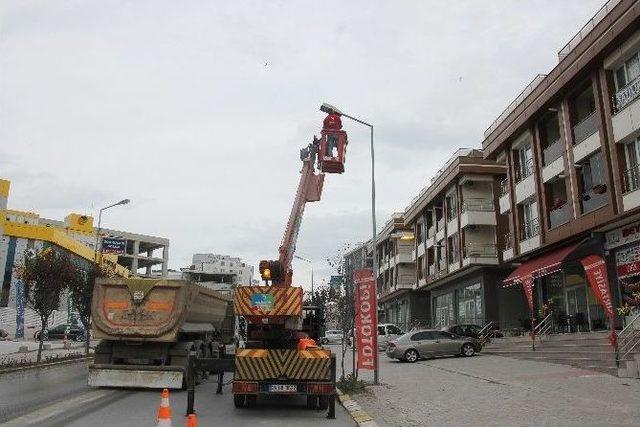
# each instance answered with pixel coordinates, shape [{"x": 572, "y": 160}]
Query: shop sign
[
  {"x": 114, "y": 246},
  {"x": 622, "y": 236},
  {"x": 628, "y": 262},
  {"x": 366, "y": 319}
]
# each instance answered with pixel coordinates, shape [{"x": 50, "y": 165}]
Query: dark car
[
  {"x": 471, "y": 330},
  {"x": 74, "y": 333},
  {"x": 4, "y": 335}
]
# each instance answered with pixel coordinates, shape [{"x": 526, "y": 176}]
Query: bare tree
[{"x": 45, "y": 276}]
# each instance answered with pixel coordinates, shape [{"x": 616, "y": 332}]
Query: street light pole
[
  {"x": 329, "y": 109},
  {"x": 95, "y": 248}
]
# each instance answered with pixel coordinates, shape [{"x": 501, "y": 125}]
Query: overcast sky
[{"x": 196, "y": 110}]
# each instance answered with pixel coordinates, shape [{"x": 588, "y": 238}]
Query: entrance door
[{"x": 577, "y": 307}]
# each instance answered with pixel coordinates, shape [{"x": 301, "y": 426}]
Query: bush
[{"x": 350, "y": 384}]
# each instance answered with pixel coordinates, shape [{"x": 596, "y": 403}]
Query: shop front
[{"x": 623, "y": 245}]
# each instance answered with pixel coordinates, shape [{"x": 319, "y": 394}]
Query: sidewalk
[{"x": 497, "y": 391}]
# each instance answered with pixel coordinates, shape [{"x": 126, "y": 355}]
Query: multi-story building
[
  {"x": 396, "y": 276},
  {"x": 219, "y": 272},
  {"x": 570, "y": 145},
  {"x": 456, "y": 248},
  {"x": 358, "y": 257}
]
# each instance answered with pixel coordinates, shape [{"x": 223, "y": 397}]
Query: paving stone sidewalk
[{"x": 491, "y": 390}]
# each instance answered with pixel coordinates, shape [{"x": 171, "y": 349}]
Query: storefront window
[{"x": 470, "y": 305}]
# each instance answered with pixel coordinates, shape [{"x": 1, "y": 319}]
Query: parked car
[
  {"x": 386, "y": 333},
  {"x": 429, "y": 343},
  {"x": 332, "y": 336},
  {"x": 471, "y": 330},
  {"x": 75, "y": 333},
  {"x": 4, "y": 335}
]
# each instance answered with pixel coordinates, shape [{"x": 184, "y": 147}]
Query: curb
[
  {"x": 45, "y": 365},
  {"x": 362, "y": 418}
]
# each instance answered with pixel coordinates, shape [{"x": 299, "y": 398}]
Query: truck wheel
[
  {"x": 251, "y": 401},
  {"x": 238, "y": 400},
  {"x": 312, "y": 401},
  {"x": 323, "y": 402}
]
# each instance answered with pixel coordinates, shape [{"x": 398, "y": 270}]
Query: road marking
[{"x": 58, "y": 408}]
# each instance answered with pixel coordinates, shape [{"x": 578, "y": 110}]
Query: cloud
[{"x": 196, "y": 111}]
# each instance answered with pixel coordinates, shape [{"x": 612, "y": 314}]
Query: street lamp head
[
  {"x": 124, "y": 202},
  {"x": 329, "y": 109}
]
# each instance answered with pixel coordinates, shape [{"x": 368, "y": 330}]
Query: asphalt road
[{"x": 59, "y": 396}]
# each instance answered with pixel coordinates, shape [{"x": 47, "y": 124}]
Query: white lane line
[{"x": 56, "y": 409}]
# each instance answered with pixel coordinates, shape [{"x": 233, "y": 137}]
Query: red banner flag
[
  {"x": 366, "y": 319},
  {"x": 596, "y": 269},
  {"x": 527, "y": 285}
]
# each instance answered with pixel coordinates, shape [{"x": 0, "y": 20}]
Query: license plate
[{"x": 283, "y": 388}]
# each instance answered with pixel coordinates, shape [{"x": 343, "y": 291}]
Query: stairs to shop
[{"x": 581, "y": 350}]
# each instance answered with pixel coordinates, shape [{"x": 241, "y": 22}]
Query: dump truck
[{"x": 149, "y": 327}]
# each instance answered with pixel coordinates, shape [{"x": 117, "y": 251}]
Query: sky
[{"x": 196, "y": 110}]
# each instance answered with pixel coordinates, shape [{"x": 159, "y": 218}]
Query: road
[{"x": 59, "y": 396}]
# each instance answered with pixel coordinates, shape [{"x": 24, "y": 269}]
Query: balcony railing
[
  {"x": 560, "y": 215},
  {"x": 632, "y": 179},
  {"x": 530, "y": 229},
  {"x": 442, "y": 264},
  {"x": 480, "y": 250},
  {"x": 552, "y": 152},
  {"x": 524, "y": 170},
  {"x": 626, "y": 95},
  {"x": 506, "y": 241},
  {"x": 477, "y": 205},
  {"x": 440, "y": 224},
  {"x": 595, "y": 198},
  {"x": 504, "y": 187},
  {"x": 587, "y": 127}
]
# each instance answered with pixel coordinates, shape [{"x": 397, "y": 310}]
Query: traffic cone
[
  {"x": 164, "y": 411},
  {"x": 192, "y": 420}
]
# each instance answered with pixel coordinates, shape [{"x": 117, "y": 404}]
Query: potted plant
[
  {"x": 630, "y": 309},
  {"x": 600, "y": 188}
]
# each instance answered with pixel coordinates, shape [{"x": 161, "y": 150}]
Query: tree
[
  {"x": 45, "y": 276},
  {"x": 81, "y": 289}
]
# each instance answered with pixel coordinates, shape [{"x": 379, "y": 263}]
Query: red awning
[{"x": 540, "y": 266}]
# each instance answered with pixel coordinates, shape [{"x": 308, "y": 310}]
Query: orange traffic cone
[
  {"x": 164, "y": 411},
  {"x": 192, "y": 420}
]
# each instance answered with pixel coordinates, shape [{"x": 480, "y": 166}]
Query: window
[
  {"x": 592, "y": 182},
  {"x": 442, "y": 335},
  {"x": 470, "y": 304},
  {"x": 452, "y": 207},
  {"x": 631, "y": 172},
  {"x": 453, "y": 249},
  {"x": 524, "y": 162},
  {"x": 627, "y": 72},
  {"x": 381, "y": 330},
  {"x": 443, "y": 310},
  {"x": 421, "y": 336},
  {"x": 530, "y": 225}
]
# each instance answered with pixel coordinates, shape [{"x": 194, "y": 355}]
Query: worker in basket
[{"x": 304, "y": 342}]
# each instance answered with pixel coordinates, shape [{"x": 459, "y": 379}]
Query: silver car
[{"x": 429, "y": 343}]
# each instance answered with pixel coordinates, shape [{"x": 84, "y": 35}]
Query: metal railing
[
  {"x": 628, "y": 339},
  {"x": 626, "y": 95},
  {"x": 587, "y": 127},
  {"x": 486, "y": 333},
  {"x": 480, "y": 250},
  {"x": 504, "y": 187},
  {"x": 587, "y": 28},
  {"x": 631, "y": 179},
  {"x": 506, "y": 240},
  {"x": 560, "y": 215},
  {"x": 524, "y": 170},
  {"x": 530, "y": 229},
  {"x": 544, "y": 327},
  {"x": 552, "y": 152},
  {"x": 477, "y": 205}
]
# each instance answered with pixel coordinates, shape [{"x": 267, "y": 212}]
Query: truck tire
[
  {"x": 323, "y": 402},
  {"x": 312, "y": 401},
  {"x": 239, "y": 400},
  {"x": 251, "y": 400}
]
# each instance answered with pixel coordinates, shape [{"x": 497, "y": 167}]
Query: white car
[
  {"x": 332, "y": 336},
  {"x": 386, "y": 332}
]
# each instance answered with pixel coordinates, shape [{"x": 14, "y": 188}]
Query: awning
[{"x": 540, "y": 266}]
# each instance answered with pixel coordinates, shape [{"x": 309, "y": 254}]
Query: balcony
[
  {"x": 587, "y": 127},
  {"x": 507, "y": 251},
  {"x": 524, "y": 170},
  {"x": 631, "y": 195},
  {"x": 594, "y": 198},
  {"x": 525, "y": 184},
  {"x": 432, "y": 269},
  {"x": 477, "y": 212},
  {"x": 530, "y": 235},
  {"x": 442, "y": 265},
  {"x": 480, "y": 253},
  {"x": 560, "y": 215},
  {"x": 505, "y": 199},
  {"x": 403, "y": 258},
  {"x": 440, "y": 229},
  {"x": 552, "y": 152},
  {"x": 626, "y": 119}
]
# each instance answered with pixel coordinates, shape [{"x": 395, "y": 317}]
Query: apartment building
[
  {"x": 219, "y": 272},
  {"x": 456, "y": 252},
  {"x": 396, "y": 276},
  {"x": 360, "y": 256},
  {"x": 571, "y": 150}
]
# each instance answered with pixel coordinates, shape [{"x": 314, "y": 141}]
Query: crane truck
[{"x": 280, "y": 355}]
